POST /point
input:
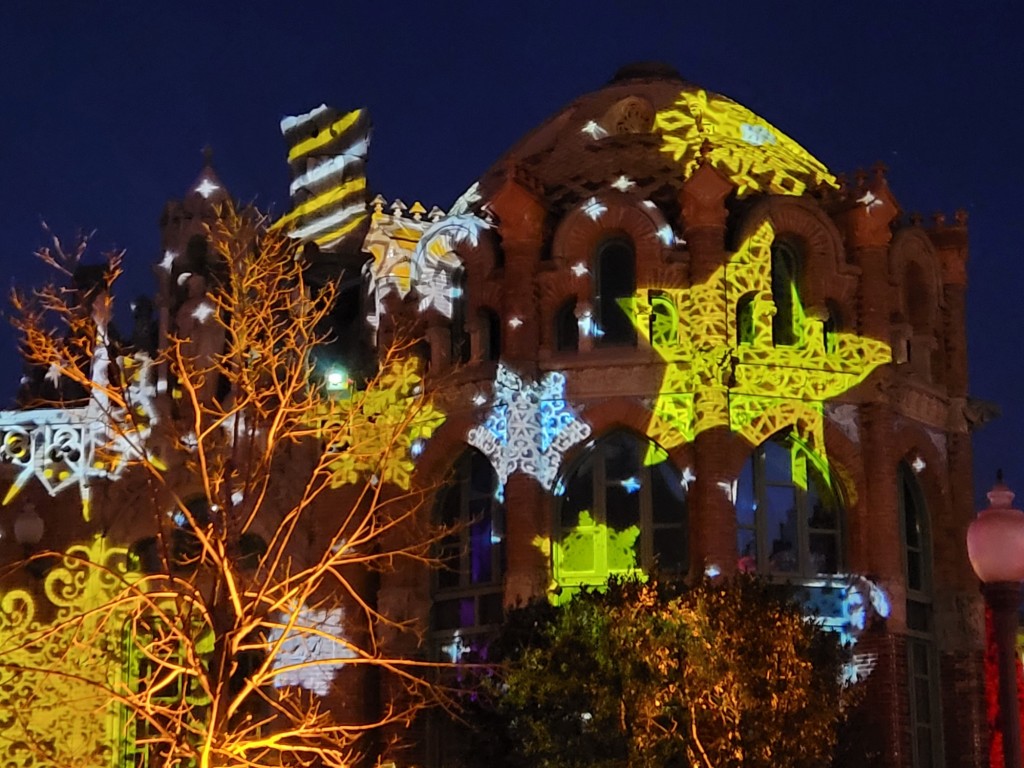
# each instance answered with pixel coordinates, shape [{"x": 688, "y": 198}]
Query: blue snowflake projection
[{"x": 529, "y": 427}]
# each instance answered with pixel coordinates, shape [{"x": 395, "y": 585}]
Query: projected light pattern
[
  {"x": 753, "y": 154},
  {"x": 435, "y": 265},
  {"x": 385, "y": 428},
  {"x": 309, "y": 649},
  {"x": 58, "y": 654},
  {"x": 528, "y": 427},
  {"x": 326, "y": 153},
  {"x": 755, "y": 387},
  {"x": 70, "y": 447}
]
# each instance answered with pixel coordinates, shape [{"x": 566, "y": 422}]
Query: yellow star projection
[
  {"x": 720, "y": 374},
  {"x": 752, "y": 153}
]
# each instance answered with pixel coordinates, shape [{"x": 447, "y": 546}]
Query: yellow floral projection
[
  {"x": 55, "y": 654},
  {"x": 753, "y": 154}
]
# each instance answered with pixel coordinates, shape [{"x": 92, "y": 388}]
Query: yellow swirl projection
[
  {"x": 384, "y": 427},
  {"x": 753, "y": 154},
  {"x": 753, "y": 386},
  {"x": 53, "y": 653}
]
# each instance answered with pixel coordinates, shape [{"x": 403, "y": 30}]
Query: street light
[{"x": 995, "y": 545}]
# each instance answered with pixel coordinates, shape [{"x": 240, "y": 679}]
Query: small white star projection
[{"x": 206, "y": 188}]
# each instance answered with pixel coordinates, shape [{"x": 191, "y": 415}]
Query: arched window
[
  {"x": 922, "y": 660},
  {"x": 616, "y": 284},
  {"x": 468, "y": 586},
  {"x": 785, "y": 279},
  {"x": 623, "y": 509},
  {"x": 745, "y": 319},
  {"x": 567, "y": 328},
  {"x": 664, "y": 328},
  {"x": 788, "y": 513}
]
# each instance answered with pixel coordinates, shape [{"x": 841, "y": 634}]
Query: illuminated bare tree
[{"x": 265, "y": 499}]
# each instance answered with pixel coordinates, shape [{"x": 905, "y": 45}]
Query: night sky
[{"x": 105, "y": 108}]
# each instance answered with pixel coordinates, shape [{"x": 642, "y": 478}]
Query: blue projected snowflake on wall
[{"x": 529, "y": 427}]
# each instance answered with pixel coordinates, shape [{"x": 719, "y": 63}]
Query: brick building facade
[{"x": 672, "y": 340}]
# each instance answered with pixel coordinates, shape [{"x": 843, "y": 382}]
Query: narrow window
[
  {"x": 460, "y": 351},
  {"x": 616, "y": 285},
  {"x": 567, "y": 328},
  {"x": 922, "y": 659},
  {"x": 784, "y": 294},
  {"x": 490, "y": 330},
  {"x": 467, "y": 604},
  {"x": 745, "y": 319}
]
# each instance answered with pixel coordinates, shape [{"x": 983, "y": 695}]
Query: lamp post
[{"x": 995, "y": 545}]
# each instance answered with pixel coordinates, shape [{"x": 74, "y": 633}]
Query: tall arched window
[
  {"x": 788, "y": 512},
  {"x": 623, "y": 509},
  {"x": 922, "y": 660},
  {"x": 785, "y": 279},
  {"x": 468, "y": 586},
  {"x": 616, "y": 284}
]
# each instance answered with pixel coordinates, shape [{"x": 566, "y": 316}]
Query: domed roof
[{"x": 649, "y": 128}]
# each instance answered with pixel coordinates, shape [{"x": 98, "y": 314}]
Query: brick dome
[{"x": 646, "y": 130}]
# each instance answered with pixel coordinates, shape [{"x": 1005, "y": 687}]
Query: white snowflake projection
[
  {"x": 623, "y": 183},
  {"x": 515, "y": 322},
  {"x": 594, "y": 209},
  {"x": 869, "y": 201},
  {"x": 168, "y": 260},
  {"x": 308, "y": 655},
  {"x": 686, "y": 478},
  {"x": 466, "y": 200},
  {"x": 529, "y": 427},
  {"x": 666, "y": 235},
  {"x": 204, "y": 311},
  {"x": 435, "y": 264},
  {"x": 593, "y": 130},
  {"x": 206, "y": 188},
  {"x": 756, "y": 135},
  {"x": 64, "y": 448},
  {"x": 579, "y": 269}
]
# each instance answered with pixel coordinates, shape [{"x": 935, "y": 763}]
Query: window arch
[
  {"x": 467, "y": 589},
  {"x": 616, "y": 283},
  {"x": 922, "y": 660},
  {"x": 785, "y": 275},
  {"x": 623, "y": 509},
  {"x": 788, "y": 513}
]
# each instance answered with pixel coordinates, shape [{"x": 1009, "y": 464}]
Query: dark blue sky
[{"x": 104, "y": 108}]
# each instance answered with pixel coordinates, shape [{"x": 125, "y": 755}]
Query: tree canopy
[{"x": 726, "y": 673}]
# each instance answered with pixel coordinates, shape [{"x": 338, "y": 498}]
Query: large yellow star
[{"x": 754, "y": 387}]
